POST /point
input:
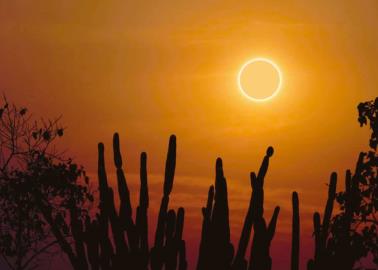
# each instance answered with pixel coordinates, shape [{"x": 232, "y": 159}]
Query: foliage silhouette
[{"x": 40, "y": 191}]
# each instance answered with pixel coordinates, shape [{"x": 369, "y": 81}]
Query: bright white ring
[{"x": 260, "y": 59}]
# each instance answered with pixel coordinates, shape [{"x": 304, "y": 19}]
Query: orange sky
[{"x": 148, "y": 69}]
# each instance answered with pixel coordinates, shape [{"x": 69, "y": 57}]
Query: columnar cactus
[
  {"x": 130, "y": 239},
  {"x": 295, "y": 233},
  {"x": 262, "y": 238},
  {"x": 205, "y": 243},
  {"x": 125, "y": 211},
  {"x": 216, "y": 250},
  {"x": 92, "y": 240},
  {"x": 263, "y": 234},
  {"x": 78, "y": 234},
  {"x": 106, "y": 248},
  {"x": 322, "y": 259},
  {"x": 168, "y": 246},
  {"x": 141, "y": 214},
  {"x": 240, "y": 263}
]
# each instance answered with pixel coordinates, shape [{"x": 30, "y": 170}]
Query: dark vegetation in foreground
[{"x": 46, "y": 202}]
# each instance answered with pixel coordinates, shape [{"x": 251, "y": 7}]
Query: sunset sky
[{"x": 148, "y": 69}]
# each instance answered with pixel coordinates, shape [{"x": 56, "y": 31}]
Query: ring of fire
[{"x": 259, "y": 75}]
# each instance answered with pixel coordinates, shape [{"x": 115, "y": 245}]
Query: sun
[{"x": 260, "y": 79}]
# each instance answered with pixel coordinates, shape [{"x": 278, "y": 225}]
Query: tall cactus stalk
[
  {"x": 295, "y": 233},
  {"x": 321, "y": 230},
  {"x": 205, "y": 242},
  {"x": 170, "y": 166},
  {"x": 141, "y": 217},
  {"x": 125, "y": 211},
  {"x": 260, "y": 251},
  {"x": 166, "y": 249},
  {"x": 216, "y": 250},
  {"x": 220, "y": 220},
  {"x": 157, "y": 252},
  {"x": 106, "y": 248},
  {"x": 240, "y": 263}
]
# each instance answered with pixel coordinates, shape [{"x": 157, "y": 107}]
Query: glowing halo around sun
[{"x": 269, "y": 76}]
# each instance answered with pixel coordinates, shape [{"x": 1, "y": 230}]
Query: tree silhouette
[
  {"x": 40, "y": 191},
  {"x": 351, "y": 234}
]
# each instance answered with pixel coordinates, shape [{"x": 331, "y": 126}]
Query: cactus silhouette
[
  {"x": 216, "y": 250},
  {"x": 263, "y": 235},
  {"x": 322, "y": 259},
  {"x": 205, "y": 242},
  {"x": 337, "y": 246},
  {"x": 169, "y": 245},
  {"x": 295, "y": 233},
  {"x": 127, "y": 247}
]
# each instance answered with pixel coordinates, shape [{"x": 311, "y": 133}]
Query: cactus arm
[
  {"x": 273, "y": 224},
  {"x": 264, "y": 165},
  {"x": 142, "y": 218},
  {"x": 246, "y": 231},
  {"x": 170, "y": 166}
]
